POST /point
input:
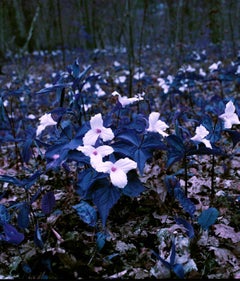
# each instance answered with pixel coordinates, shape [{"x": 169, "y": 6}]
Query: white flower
[
  {"x": 118, "y": 170},
  {"x": 214, "y": 66},
  {"x": 229, "y": 116},
  {"x": 96, "y": 154},
  {"x": 97, "y": 130},
  {"x": 45, "y": 120},
  {"x": 201, "y": 133},
  {"x": 124, "y": 100},
  {"x": 156, "y": 125}
]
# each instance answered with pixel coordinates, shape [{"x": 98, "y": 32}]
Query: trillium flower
[
  {"x": 45, "y": 120},
  {"x": 95, "y": 154},
  {"x": 97, "y": 130},
  {"x": 118, "y": 170},
  {"x": 229, "y": 116},
  {"x": 156, "y": 125},
  {"x": 124, "y": 100},
  {"x": 201, "y": 133}
]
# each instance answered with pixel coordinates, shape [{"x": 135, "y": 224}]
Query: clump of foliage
[{"x": 94, "y": 146}]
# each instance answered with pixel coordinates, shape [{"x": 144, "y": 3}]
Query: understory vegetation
[{"x": 110, "y": 170}]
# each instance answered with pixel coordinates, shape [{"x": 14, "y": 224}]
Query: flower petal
[
  {"x": 86, "y": 149},
  {"x": 104, "y": 167},
  {"x": 106, "y": 134},
  {"x": 90, "y": 137},
  {"x": 96, "y": 122},
  {"x": 118, "y": 178},
  {"x": 104, "y": 150},
  {"x": 207, "y": 143},
  {"x": 125, "y": 164}
]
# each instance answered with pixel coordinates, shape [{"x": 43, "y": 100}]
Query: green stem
[
  {"x": 185, "y": 173},
  {"x": 212, "y": 176}
]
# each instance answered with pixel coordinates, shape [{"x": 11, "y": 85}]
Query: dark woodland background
[{"x": 89, "y": 24}]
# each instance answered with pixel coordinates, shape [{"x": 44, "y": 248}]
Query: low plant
[{"x": 102, "y": 143}]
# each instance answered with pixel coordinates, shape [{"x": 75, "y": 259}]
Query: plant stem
[
  {"x": 212, "y": 176},
  {"x": 185, "y": 173}
]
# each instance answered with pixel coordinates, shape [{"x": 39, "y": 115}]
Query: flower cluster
[{"x": 118, "y": 169}]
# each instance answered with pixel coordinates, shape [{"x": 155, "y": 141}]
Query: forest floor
[{"x": 136, "y": 226}]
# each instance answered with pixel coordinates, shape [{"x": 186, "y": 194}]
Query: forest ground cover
[{"x": 139, "y": 225}]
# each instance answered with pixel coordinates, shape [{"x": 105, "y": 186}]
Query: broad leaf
[
  {"x": 189, "y": 228},
  {"x": 105, "y": 197},
  {"x": 86, "y": 212},
  {"x": 23, "y": 215},
  {"x": 4, "y": 214},
  {"x": 139, "y": 148},
  {"x": 38, "y": 237},
  {"x": 48, "y": 202},
  {"x": 208, "y": 217},
  {"x": 176, "y": 150},
  {"x": 235, "y": 136},
  {"x": 101, "y": 239},
  {"x": 12, "y": 235},
  {"x": 134, "y": 186}
]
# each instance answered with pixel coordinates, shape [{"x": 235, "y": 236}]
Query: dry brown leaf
[{"x": 225, "y": 231}]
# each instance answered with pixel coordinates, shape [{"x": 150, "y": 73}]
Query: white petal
[
  {"x": 207, "y": 143},
  {"x": 40, "y": 128},
  {"x": 90, "y": 137},
  {"x": 125, "y": 164},
  {"x": 201, "y": 131},
  {"x": 104, "y": 150},
  {"x": 96, "y": 121},
  {"x": 96, "y": 161},
  {"x": 104, "y": 167},
  {"x": 230, "y": 108},
  {"x": 153, "y": 117},
  {"x": 86, "y": 149},
  {"x": 118, "y": 178},
  {"x": 106, "y": 134},
  {"x": 160, "y": 127}
]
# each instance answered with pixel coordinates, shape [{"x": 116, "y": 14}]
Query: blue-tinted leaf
[
  {"x": 26, "y": 268},
  {"x": 31, "y": 180},
  {"x": 86, "y": 212},
  {"x": 185, "y": 202},
  {"x": 140, "y": 149},
  {"x": 105, "y": 197},
  {"x": 134, "y": 186},
  {"x": 141, "y": 156},
  {"x": 208, "y": 218},
  {"x": 12, "y": 235},
  {"x": 26, "y": 151},
  {"x": 171, "y": 182},
  {"x": 101, "y": 239},
  {"x": 173, "y": 253},
  {"x": 203, "y": 150},
  {"x": 23, "y": 215},
  {"x": 86, "y": 179},
  {"x": 153, "y": 141},
  {"x": 4, "y": 214},
  {"x": 48, "y": 202},
  {"x": 214, "y": 130},
  {"x": 36, "y": 195},
  {"x": 176, "y": 150},
  {"x": 178, "y": 270},
  {"x": 235, "y": 136},
  {"x": 10, "y": 179},
  {"x": 174, "y": 188},
  {"x": 189, "y": 228},
  {"x": 129, "y": 136},
  {"x": 167, "y": 264},
  {"x": 38, "y": 238},
  {"x": 54, "y": 88}
]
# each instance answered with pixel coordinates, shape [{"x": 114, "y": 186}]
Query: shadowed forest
[{"x": 119, "y": 139}]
